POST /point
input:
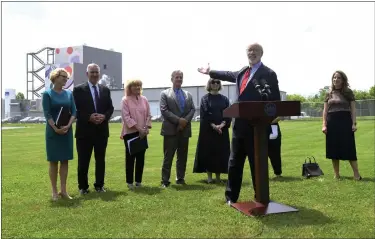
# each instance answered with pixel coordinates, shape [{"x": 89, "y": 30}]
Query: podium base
[{"x": 253, "y": 208}]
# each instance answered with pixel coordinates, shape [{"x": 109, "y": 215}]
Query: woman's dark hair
[
  {"x": 345, "y": 89},
  {"x": 345, "y": 84}
]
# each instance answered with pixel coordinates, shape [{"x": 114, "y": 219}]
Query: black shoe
[
  {"x": 165, "y": 184},
  {"x": 181, "y": 181},
  {"x": 220, "y": 181},
  {"x": 83, "y": 191},
  {"x": 210, "y": 181},
  {"x": 100, "y": 190}
]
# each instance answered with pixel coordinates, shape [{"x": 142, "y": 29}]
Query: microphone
[
  {"x": 260, "y": 90},
  {"x": 257, "y": 86},
  {"x": 266, "y": 86}
]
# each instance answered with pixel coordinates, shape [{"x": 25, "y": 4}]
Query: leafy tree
[
  {"x": 372, "y": 92},
  {"x": 296, "y": 97},
  {"x": 20, "y": 96},
  {"x": 23, "y": 103},
  {"x": 320, "y": 96},
  {"x": 361, "y": 94},
  {"x": 323, "y": 93}
]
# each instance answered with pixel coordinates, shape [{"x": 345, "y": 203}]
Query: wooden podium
[{"x": 260, "y": 114}]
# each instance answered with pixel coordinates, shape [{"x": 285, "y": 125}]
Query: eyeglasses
[
  {"x": 215, "y": 82},
  {"x": 94, "y": 72}
]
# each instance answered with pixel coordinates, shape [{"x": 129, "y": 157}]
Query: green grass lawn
[{"x": 328, "y": 208}]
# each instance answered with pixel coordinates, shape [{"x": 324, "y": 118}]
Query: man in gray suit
[{"x": 177, "y": 108}]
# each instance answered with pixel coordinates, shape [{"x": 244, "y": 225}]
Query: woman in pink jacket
[{"x": 136, "y": 122}]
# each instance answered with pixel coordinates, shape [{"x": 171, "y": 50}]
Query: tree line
[{"x": 320, "y": 96}]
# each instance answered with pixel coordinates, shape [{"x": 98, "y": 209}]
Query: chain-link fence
[
  {"x": 315, "y": 109},
  {"x": 309, "y": 110},
  {"x": 365, "y": 107},
  {"x": 312, "y": 110}
]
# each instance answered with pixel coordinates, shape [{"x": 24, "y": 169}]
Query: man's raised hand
[{"x": 205, "y": 70}]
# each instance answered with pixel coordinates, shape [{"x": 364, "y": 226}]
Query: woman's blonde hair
[
  {"x": 131, "y": 83},
  {"x": 56, "y": 73}
]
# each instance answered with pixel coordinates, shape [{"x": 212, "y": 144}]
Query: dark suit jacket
[
  {"x": 242, "y": 128},
  {"x": 171, "y": 113},
  {"x": 85, "y": 107}
]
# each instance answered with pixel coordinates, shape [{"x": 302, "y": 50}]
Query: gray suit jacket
[{"x": 171, "y": 113}]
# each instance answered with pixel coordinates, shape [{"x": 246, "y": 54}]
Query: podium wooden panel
[{"x": 260, "y": 114}]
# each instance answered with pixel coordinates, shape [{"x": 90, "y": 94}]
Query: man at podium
[{"x": 248, "y": 81}]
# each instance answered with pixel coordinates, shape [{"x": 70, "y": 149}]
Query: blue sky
[{"x": 303, "y": 42}]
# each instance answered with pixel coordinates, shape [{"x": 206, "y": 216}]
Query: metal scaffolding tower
[{"x": 33, "y": 70}]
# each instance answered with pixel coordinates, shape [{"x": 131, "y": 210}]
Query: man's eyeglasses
[
  {"x": 215, "y": 82},
  {"x": 94, "y": 72}
]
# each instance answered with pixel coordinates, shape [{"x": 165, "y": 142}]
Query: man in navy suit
[
  {"x": 243, "y": 132},
  {"x": 94, "y": 110}
]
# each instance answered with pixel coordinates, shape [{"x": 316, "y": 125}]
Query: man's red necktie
[{"x": 245, "y": 79}]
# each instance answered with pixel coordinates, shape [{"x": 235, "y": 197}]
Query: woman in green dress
[{"x": 59, "y": 141}]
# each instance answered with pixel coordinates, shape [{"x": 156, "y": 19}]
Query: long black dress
[{"x": 213, "y": 149}]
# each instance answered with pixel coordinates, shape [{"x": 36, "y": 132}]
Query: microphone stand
[{"x": 264, "y": 96}]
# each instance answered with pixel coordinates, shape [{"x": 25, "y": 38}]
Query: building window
[{"x": 105, "y": 66}]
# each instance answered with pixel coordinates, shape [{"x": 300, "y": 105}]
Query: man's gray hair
[{"x": 92, "y": 65}]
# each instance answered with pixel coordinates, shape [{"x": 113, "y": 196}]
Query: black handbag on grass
[{"x": 311, "y": 169}]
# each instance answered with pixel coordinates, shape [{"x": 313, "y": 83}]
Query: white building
[
  {"x": 9, "y": 94},
  {"x": 153, "y": 96}
]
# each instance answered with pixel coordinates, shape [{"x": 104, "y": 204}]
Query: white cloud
[{"x": 303, "y": 42}]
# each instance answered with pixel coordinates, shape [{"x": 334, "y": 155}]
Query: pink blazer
[{"x": 135, "y": 110}]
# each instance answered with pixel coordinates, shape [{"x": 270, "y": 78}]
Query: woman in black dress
[
  {"x": 213, "y": 147},
  {"x": 339, "y": 124}
]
